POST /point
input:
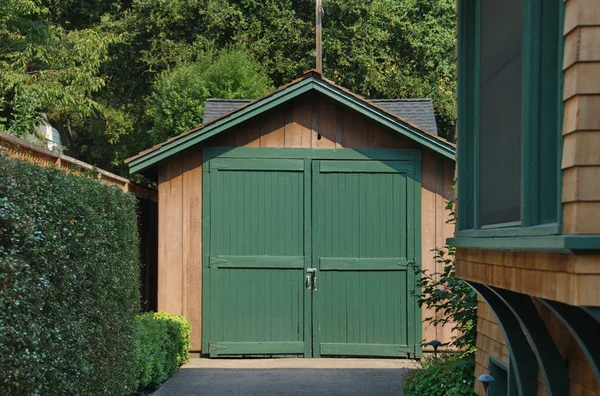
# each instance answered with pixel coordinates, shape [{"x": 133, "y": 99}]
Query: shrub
[
  {"x": 454, "y": 298},
  {"x": 162, "y": 344},
  {"x": 69, "y": 283},
  {"x": 450, "y": 375}
]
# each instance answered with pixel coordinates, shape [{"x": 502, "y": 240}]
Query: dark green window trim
[
  {"x": 497, "y": 364},
  {"x": 548, "y": 243},
  {"x": 542, "y": 96}
]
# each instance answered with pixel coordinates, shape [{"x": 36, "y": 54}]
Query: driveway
[{"x": 265, "y": 377}]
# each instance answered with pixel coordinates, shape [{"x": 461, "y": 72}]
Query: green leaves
[
  {"x": 162, "y": 345},
  {"x": 451, "y": 296},
  {"x": 177, "y": 103},
  {"x": 450, "y": 375},
  {"x": 69, "y": 287},
  {"x": 45, "y": 69}
]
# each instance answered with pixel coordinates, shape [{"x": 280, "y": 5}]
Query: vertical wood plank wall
[
  {"x": 309, "y": 121},
  {"x": 581, "y": 128}
]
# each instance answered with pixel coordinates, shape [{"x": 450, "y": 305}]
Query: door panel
[
  {"x": 271, "y": 220},
  {"x": 257, "y": 257},
  {"x": 360, "y": 238}
]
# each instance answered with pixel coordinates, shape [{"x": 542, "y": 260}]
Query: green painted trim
[
  {"x": 257, "y": 164},
  {"x": 584, "y": 329},
  {"x": 367, "y": 349},
  {"x": 288, "y": 262},
  {"x": 476, "y": 116},
  {"x": 542, "y": 30},
  {"x": 423, "y": 138},
  {"x": 206, "y": 273},
  {"x": 413, "y": 304},
  {"x": 308, "y": 258},
  {"x": 256, "y": 348},
  {"x": 362, "y": 167},
  {"x": 555, "y": 243},
  {"x": 308, "y": 153},
  {"x": 358, "y": 264},
  {"x": 494, "y": 360},
  {"x": 530, "y": 110},
  {"x": 552, "y": 366},
  {"x": 316, "y": 221},
  {"x": 169, "y": 149},
  {"x": 543, "y": 230},
  {"x": 522, "y": 357}
]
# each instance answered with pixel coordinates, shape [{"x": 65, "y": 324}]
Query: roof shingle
[{"x": 418, "y": 111}]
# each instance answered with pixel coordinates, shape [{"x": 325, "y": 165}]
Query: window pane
[{"x": 500, "y": 111}]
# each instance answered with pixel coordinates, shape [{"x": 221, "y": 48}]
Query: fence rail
[{"x": 23, "y": 149}]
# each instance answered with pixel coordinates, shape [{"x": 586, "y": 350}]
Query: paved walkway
[{"x": 267, "y": 377}]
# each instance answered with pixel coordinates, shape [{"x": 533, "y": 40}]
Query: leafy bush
[
  {"x": 454, "y": 298},
  {"x": 69, "y": 283},
  {"x": 162, "y": 344},
  {"x": 450, "y": 375}
]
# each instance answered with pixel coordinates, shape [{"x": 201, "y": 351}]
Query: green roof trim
[{"x": 152, "y": 158}]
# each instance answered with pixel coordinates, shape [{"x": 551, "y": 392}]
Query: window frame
[{"x": 538, "y": 62}]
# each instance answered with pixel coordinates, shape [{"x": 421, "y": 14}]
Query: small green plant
[
  {"x": 162, "y": 345},
  {"x": 443, "y": 292},
  {"x": 450, "y": 375}
]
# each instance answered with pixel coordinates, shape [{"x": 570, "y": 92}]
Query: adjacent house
[
  {"x": 292, "y": 224},
  {"x": 528, "y": 232}
]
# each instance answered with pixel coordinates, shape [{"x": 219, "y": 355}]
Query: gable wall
[{"x": 296, "y": 124}]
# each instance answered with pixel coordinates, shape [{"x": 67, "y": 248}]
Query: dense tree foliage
[
  {"x": 95, "y": 67},
  {"x": 177, "y": 101}
]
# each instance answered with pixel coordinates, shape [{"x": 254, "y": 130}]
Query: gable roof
[
  {"x": 418, "y": 111},
  {"x": 311, "y": 81}
]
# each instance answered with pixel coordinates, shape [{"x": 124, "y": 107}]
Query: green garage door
[
  {"x": 310, "y": 257},
  {"x": 361, "y": 239}
]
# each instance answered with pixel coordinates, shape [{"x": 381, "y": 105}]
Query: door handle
[{"x": 311, "y": 276}]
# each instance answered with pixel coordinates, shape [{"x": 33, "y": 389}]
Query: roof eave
[{"x": 152, "y": 158}]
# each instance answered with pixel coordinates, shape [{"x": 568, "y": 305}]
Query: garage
[{"x": 292, "y": 225}]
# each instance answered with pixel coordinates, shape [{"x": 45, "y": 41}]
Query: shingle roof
[
  {"x": 417, "y": 111},
  {"x": 215, "y": 108},
  {"x": 311, "y": 80}
]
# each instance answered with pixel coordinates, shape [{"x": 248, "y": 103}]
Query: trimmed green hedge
[
  {"x": 69, "y": 283},
  {"x": 163, "y": 344},
  {"x": 450, "y": 375}
]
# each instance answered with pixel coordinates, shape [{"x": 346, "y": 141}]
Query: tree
[
  {"x": 177, "y": 103},
  {"x": 46, "y": 69},
  {"x": 93, "y": 67}
]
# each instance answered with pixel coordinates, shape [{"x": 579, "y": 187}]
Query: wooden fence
[{"x": 23, "y": 149}]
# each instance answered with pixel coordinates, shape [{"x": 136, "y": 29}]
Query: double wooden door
[{"x": 310, "y": 257}]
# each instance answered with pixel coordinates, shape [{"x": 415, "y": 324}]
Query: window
[
  {"x": 509, "y": 117},
  {"x": 499, "y": 371}
]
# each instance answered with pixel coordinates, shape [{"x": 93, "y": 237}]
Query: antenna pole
[{"x": 319, "y": 52}]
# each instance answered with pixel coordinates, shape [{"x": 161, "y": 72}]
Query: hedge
[
  {"x": 450, "y": 375},
  {"x": 162, "y": 344},
  {"x": 69, "y": 283}
]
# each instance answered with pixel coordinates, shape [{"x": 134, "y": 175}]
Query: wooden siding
[
  {"x": 490, "y": 341},
  {"x": 22, "y": 149},
  {"x": 566, "y": 278},
  {"x": 309, "y": 121},
  {"x": 581, "y": 128}
]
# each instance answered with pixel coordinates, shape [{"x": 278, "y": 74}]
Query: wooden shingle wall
[
  {"x": 581, "y": 128},
  {"x": 309, "y": 121},
  {"x": 569, "y": 278},
  {"x": 490, "y": 341}
]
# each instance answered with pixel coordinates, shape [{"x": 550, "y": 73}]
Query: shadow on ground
[{"x": 285, "y": 381}]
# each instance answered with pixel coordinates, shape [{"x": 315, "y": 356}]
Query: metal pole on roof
[{"x": 319, "y": 17}]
